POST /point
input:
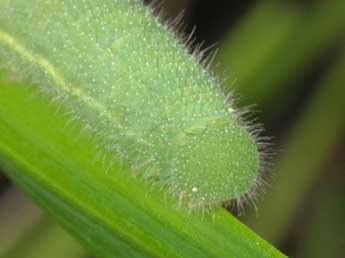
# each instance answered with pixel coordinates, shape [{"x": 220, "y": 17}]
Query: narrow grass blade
[{"x": 113, "y": 214}]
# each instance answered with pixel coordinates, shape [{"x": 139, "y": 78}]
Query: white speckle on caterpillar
[{"x": 120, "y": 71}]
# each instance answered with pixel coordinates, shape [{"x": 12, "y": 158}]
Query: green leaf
[{"x": 113, "y": 214}]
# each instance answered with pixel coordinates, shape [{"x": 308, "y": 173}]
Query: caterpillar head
[{"x": 216, "y": 160}]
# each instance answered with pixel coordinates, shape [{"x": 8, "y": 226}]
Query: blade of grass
[
  {"x": 306, "y": 150},
  {"x": 112, "y": 214}
]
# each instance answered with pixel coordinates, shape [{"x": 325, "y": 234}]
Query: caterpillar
[{"x": 123, "y": 73}]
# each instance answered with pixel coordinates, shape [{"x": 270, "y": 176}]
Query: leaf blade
[{"x": 111, "y": 214}]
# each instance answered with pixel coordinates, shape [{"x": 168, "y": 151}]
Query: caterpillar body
[{"x": 119, "y": 70}]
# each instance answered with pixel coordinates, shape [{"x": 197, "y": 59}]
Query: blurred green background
[{"x": 288, "y": 58}]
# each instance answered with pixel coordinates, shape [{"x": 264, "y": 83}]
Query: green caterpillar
[{"x": 119, "y": 70}]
